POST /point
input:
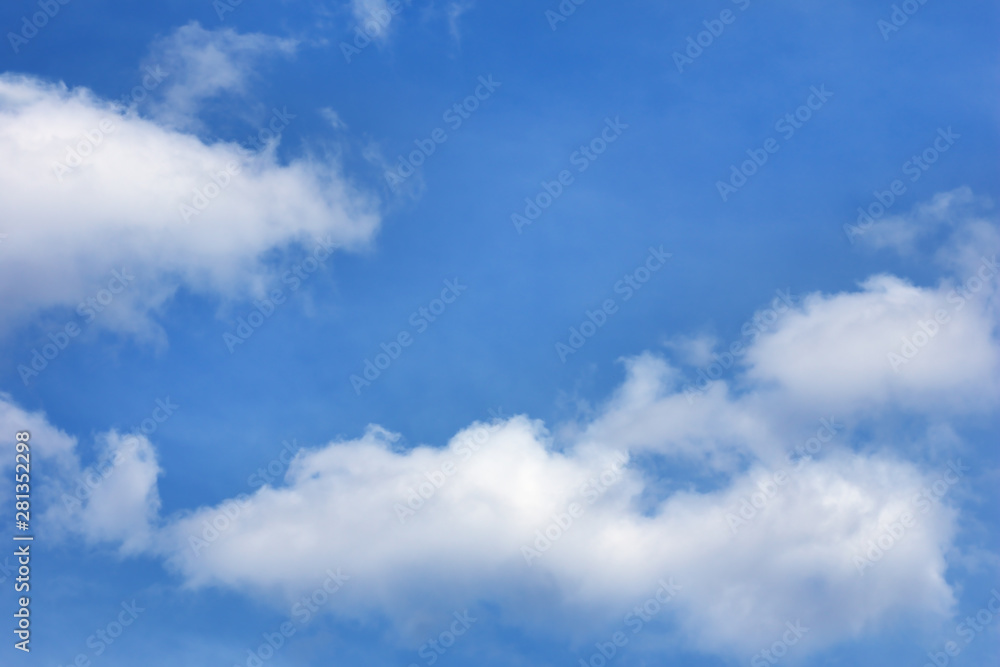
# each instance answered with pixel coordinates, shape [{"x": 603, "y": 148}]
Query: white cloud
[
  {"x": 50, "y": 443},
  {"x": 903, "y": 232},
  {"x": 69, "y": 227},
  {"x": 203, "y": 64},
  {"x": 494, "y": 488},
  {"x": 894, "y": 343},
  {"x": 121, "y": 506},
  {"x": 718, "y": 432},
  {"x": 336, "y": 509},
  {"x": 871, "y": 349},
  {"x": 116, "y": 500},
  {"x": 795, "y": 559},
  {"x": 958, "y": 225}
]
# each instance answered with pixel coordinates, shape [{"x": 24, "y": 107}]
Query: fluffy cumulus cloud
[
  {"x": 891, "y": 342},
  {"x": 803, "y": 519},
  {"x": 549, "y": 534},
  {"x": 90, "y": 187},
  {"x": 115, "y": 500}
]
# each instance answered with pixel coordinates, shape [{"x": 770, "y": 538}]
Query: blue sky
[{"x": 632, "y": 129}]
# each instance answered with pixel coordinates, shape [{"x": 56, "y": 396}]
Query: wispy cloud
[
  {"x": 204, "y": 64},
  {"x": 455, "y": 12}
]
